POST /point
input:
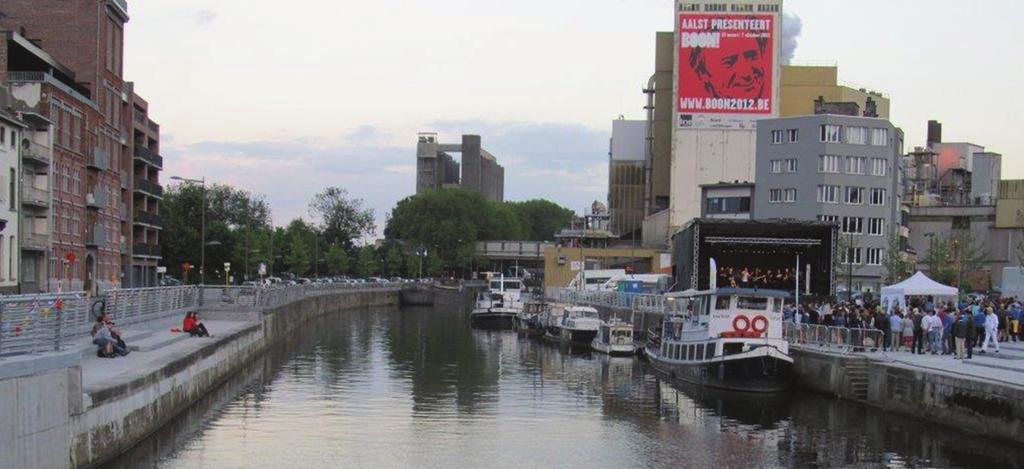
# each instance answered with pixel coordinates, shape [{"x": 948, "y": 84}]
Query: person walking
[
  {"x": 959, "y": 336},
  {"x": 979, "y": 325},
  {"x": 896, "y": 329},
  {"x": 991, "y": 330}
]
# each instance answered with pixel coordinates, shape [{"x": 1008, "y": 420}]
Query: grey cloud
[{"x": 791, "y": 28}]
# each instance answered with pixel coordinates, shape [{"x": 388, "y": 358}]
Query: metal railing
[
  {"x": 613, "y": 299},
  {"x": 149, "y": 187},
  {"x": 149, "y": 156},
  {"x": 837, "y": 339},
  {"x": 48, "y": 322}
]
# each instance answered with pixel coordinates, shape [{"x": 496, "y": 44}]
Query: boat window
[
  {"x": 710, "y": 351},
  {"x": 678, "y": 351},
  {"x": 511, "y": 285},
  {"x": 690, "y": 351},
  {"x": 752, "y": 302},
  {"x": 495, "y": 285},
  {"x": 622, "y": 333},
  {"x": 777, "y": 305},
  {"x": 700, "y": 351},
  {"x": 732, "y": 348},
  {"x": 722, "y": 302}
]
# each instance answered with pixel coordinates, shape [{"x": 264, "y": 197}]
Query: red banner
[{"x": 725, "y": 64}]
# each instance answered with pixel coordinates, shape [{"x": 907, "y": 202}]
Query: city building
[
  {"x": 999, "y": 247},
  {"x": 36, "y": 192},
  {"x": 626, "y": 179},
  {"x": 802, "y": 85},
  {"x": 837, "y": 168},
  {"x": 142, "y": 205},
  {"x": 11, "y": 131},
  {"x": 727, "y": 200},
  {"x": 64, "y": 60},
  {"x": 726, "y": 79},
  {"x": 436, "y": 168}
]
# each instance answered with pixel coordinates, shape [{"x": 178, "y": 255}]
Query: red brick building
[{"x": 106, "y": 161}]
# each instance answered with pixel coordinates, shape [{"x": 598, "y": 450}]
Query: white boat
[
  {"x": 729, "y": 338},
  {"x": 571, "y": 324},
  {"x": 500, "y": 303},
  {"x": 614, "y": 337}
]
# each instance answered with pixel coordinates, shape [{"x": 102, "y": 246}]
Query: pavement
[
  {"x": 155, "y": 346},
  {"x": 1006, "y": 367}
]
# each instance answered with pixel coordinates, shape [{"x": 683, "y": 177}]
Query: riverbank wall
[
  {"x": 986, "y": 407},
  {"x": 53, "y": 420}
]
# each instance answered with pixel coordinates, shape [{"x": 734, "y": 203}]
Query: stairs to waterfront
[{"x": 857, "y": 376}]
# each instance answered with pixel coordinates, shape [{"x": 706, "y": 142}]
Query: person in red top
[{"x": 194, "y": 326}]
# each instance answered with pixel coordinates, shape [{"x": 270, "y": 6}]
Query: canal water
[{"x": 418, "y": 387}]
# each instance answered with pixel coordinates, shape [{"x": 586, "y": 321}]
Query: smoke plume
[{"x": 791, "y": 26}]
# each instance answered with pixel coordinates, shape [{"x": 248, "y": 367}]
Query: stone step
[{"x": 157, "y": 341}]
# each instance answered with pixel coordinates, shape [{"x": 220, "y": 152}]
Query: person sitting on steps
[
  {"x": 110, "y": 345},
  {"x": 194, "y": 326}
]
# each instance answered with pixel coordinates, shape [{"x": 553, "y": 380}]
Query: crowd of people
[
  {"x": 748, "y": 277},
  {"x": 938, "y": 328}
]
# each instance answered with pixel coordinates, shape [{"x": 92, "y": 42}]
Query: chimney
[
  {"x": 934, "y": 132},
  {"x": 870, "y": 108}
]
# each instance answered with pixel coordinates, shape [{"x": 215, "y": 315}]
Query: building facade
[
  {"x": 36, "y": 199},
  {"x": 803, "y": 84},
  {"x": 842, "y": 169},
  {"x": 727, "y": 200},
  {"x": 626, "y": 176},
  {"x": 436, "y": 168},
  {"x": 71, "y": 73},
  {"x": 11, "y": 132}
]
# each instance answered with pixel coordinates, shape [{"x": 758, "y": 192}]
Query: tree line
[{"x": 428, "y": 234}]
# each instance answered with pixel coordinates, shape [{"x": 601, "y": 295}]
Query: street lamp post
[{"x": 202, "y": 236}]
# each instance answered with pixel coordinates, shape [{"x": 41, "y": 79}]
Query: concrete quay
[
  {"x": 71, "y": 409},
  {"x": 984, "y": 395}
]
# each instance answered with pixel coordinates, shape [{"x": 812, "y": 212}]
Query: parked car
[{"x": 170, "y": 282}]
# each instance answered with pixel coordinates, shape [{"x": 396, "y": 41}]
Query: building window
[
  {"x": 10, "y": 259},
  {"x": 879, "y": 167},
  {"x": 828, "y": 194},
  {"x": 775, "y": 166},
  {"x": 714, "y": 7},
  {"x": 853, "y": 225},
  {"x": 3, "y": 134},
  {"x": 774, "y": 196},
  {"x": 852, "y": 256},
  {"x": 876, "y": 226},
  {"x": 874, "y": 256},
  {"x": 829, "y": 163},
  {"x": 790, "y": 195},
  {"x": 831, "y": 133},
  {"x": 11, "y": 187},
  {"x": 877, "y": 196},
  {"x": 854, "y": 195},
  {"x": 791, "y": 165},
  {"x": 728, "y": 205},
  {"x": 742, "y": 7},
  {"x": 879, "y": 137},
  {"x": 829, "y": 218},
  {"x": 857, "y": 135},
  {"x": 690, "y": 7},
  {"x": 793, "y": 135},
  {"x": 855, "y": 165},
  {"x": 777, "y": 137}
]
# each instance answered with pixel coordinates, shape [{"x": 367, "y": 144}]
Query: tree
[
  {"x": 541, "y": 219},
  {"x": 896, "y": 264},
  {"x": 968, "y": 256},
  {"x": 341, "y": 218},
  {"x": 845, "y": 270},
  {"x": 393, "y": 261},
  {"x": 297, "y": 259},
  {"x": 366, "y": 265},
  {"x": 337, "y": 260},
  {"x": 939, "y": 261}
]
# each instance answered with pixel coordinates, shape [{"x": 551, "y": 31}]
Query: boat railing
[
  {"x": 645, "y": 302},
  {"x": 833, "y": 338}
]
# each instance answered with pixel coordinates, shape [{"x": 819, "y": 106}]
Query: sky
[{"x": 284, "y": 99}]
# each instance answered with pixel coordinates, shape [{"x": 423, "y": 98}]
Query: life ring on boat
[
  {"x": 736, "y": 321},
  {"x": 759, "y": 319}
]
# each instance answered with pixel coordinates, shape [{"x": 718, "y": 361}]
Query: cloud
[
  {"x": 565, "y": 163},
  {"x": 204, "y": 17}
]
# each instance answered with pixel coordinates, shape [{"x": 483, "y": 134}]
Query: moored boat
[
  {"x": 571, "y": 324},
  {"x": 729, "y": 338},
  {"x": 500, "y": 303},
  {"x": 614, "y": 337}
]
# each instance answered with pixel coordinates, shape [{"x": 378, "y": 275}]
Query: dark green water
[{"x": 420, "y": 388}]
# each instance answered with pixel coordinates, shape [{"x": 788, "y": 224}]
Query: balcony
[
  {"x": 149, "y": 219},
  {"x": 35, "y": 197},
  {"x": 36, "y": 155},
  {"x": 150, "y": 188},
  {"x": 153, "y": 126},
  {"x": 148, "y": 156},
  {"x": 32, "y": 241},
  {"x": 96, "y": 200},
  {"x": 95, "y": 236},
  {"x": 100, "y": 160},
  {"x": 146, "y": 250},
  {"x": 139, "y": 117}
]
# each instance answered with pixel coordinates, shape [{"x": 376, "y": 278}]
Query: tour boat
[
  {"x": 500, "y": 303},
  {"x": 571, "y": 324},
  {"x": 614, "y": 337},
  {"x": 729, "y": 338}
]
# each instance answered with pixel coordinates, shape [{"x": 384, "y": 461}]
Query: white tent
[{"x": 917, "y": 285}]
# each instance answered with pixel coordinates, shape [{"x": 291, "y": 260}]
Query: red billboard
[{"x": 725, "y": 64}]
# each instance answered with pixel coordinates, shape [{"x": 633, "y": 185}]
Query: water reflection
[{"x": 420, "y": 388}]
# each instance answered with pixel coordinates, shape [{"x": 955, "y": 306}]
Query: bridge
[{"x": 521, "y": 251}]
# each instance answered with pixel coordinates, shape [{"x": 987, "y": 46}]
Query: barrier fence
[
  {"x": 45, "y": 322},
  {"x": 646, "y": 302},
  {"x": 839, "y": 339}
]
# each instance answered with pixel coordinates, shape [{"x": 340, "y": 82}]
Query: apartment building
[
  {"x": 844, "y": 169},
  {"x": 11, "y": 131},
  {"x": 142, "y": 206}
]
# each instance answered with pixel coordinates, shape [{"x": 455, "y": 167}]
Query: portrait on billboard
[{"x": 725, "y": 65}]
